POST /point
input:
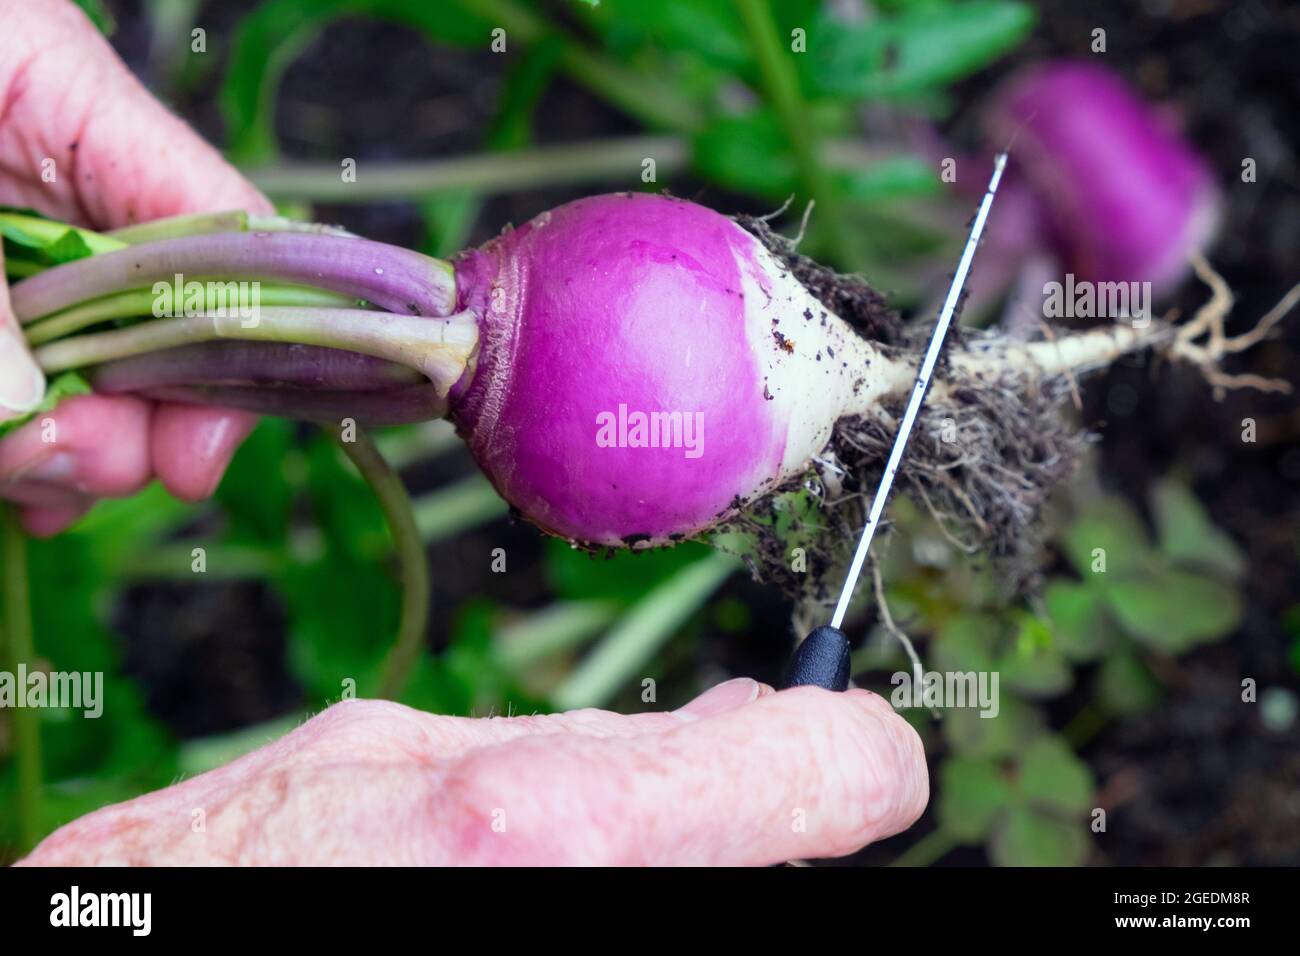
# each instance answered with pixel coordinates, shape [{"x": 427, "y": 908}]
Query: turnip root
[{"x": 628, "y": 370}]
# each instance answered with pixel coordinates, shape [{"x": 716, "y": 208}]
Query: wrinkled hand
[
  {"x": 118, "y": 157},
  {"x": 741, "y": 775}
]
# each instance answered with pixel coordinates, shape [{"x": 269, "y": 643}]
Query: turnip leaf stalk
[{"x": 396, "y": 504}]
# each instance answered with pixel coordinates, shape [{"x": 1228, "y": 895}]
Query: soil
[{"x": 1200, "y": 779}]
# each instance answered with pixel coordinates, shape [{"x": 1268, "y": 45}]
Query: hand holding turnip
[{"x": 71, "y": 136}]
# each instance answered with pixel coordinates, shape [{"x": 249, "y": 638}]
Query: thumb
[{"x": 22, "y": 385}]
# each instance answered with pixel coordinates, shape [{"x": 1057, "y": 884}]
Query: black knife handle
[{"x": 822, "y": 660}]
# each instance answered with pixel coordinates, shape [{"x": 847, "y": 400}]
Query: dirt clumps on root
[
  {"x": 982, "y": 460},
  {"x": 848, "y": 296}
]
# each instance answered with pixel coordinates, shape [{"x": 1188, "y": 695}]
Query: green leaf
[
  {"x": 914, "y": 52},
  {"x": 968, "y": 642},
  {"x": 1035, "y": 666},
  {"x": 971, "y": 794},
  {"x": 708, "y": 28},
  {"x": 890, "y": 178},
  {"x": 22, "y": 246},
  {"x": 115, "y": 527},
  {"x": 1052, "y": 777},
  {"x": 1107, "y": 534},
  {"x": 69, "y": 588},
  {"x": 748, "y": 154},
  {"x": 255, "y": 493},
  {"x": 343, "y": 615},
  {"x": 1028, "y": 837},
  {"x": 1125, "y": 685},
  {"x": 468, "y": 678},
  {"x": 1188, "y": 536},
  {"x": 350, "y": 517},
  {"x": 971, "y": 735},
  {"x": 1078, "y": 618},
  {"x": 67, "y": 248},
  {"x": 98, "y": 15},
  {"x": 1173, "y": 610}
]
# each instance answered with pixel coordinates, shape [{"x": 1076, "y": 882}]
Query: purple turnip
[
  {"x": 1120, "y": 195},
  {"x": 629, "y": 370}
]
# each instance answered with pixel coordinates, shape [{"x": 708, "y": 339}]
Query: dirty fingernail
[{"x": 728, "y": 695}]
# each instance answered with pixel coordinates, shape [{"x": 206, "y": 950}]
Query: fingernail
[
  {"x": 217, "y": 451},
  {"x": 728, "y": 695},
  {"x": 22, "y": 386}
]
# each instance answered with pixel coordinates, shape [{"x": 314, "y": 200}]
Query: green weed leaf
[
  {"x": 1028, "y": 837},
  {"x": 1186, "y": 533},
  {"x": 1173, "y": 610},
  {"x": 971, "y": 795},
  {"x": 914, "y": 52},
  {"x": 1052, "y": 777}
]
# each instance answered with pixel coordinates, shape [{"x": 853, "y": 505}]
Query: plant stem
[
  {"x": 782, "y": 82},
  {"x": 257, "y": 364},
  {"x": 141, "y": 302},
  {"x": 439, "y": 348},
  {"x": 933, "y": 846},
  {"x": 450, "y": 510},
  {"x": 21, "y": 650},
  {"x": 403, "y": 405},
  {"x": 560, "y": 627},
  {"x": 395, "y": 279},
  {"x": 174, "y": 562},
  {"x": 48, "y": 230},
  {"x": 420, "y": 443},
  {"x": 643, "y": 630},
  {"x": 615, "y": 161},
  {"x": 642, "y": 95},
  {"x": 206, "y": 223},
  {"x": 23, "y": 268},
  {"x": 173, "y": 227},
  {"x": 611, "y": 160},
  {"x": 411, "y": 558}
]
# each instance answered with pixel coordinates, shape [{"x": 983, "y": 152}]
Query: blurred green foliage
[
  {"x": 676, "y": 66},
  {"x": 1010, "y": 782}
]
